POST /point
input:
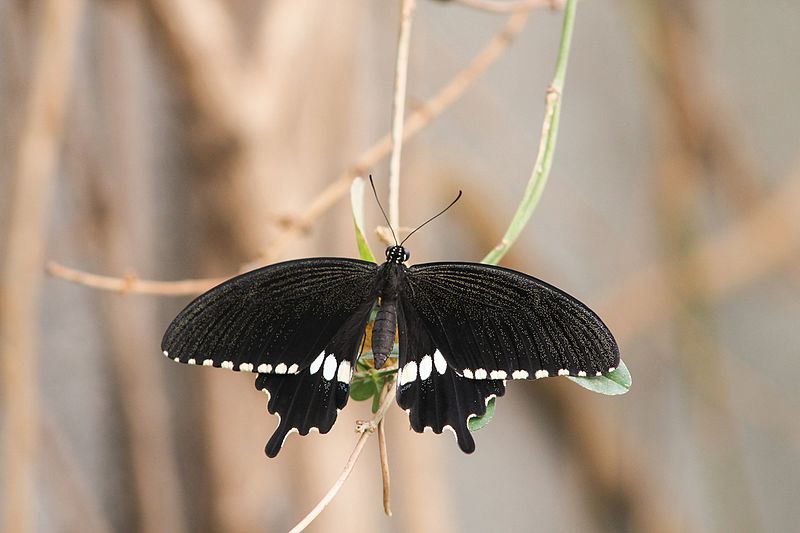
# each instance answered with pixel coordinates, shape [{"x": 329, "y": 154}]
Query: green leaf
[
  {"x": 376, "y": 403},
  {"x": 474, "y": 423},
  {"x": 357, "y": 204},
  {"x": 363, "y": 389},
  {"x": 617, "y": 382}
]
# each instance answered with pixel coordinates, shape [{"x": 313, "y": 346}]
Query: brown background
[{"x": 176, "y": 139}]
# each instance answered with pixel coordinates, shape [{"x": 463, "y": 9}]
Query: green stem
[{"x": 547, "y": 144}]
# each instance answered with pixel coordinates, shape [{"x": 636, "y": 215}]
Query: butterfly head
[{"x": 397, "y": 254}]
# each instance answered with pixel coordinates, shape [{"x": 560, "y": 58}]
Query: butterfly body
[
  {"x": 384, "y": 328},
  {"x": 463, "y": 328}
]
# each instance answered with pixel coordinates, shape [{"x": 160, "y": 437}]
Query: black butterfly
[{"x": 464, "y": 329}]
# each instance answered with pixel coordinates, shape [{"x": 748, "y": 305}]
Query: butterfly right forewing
[{"x": 495, "y": 323}]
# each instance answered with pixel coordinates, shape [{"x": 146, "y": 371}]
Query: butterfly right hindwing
[{"x": 434, "y": 395}]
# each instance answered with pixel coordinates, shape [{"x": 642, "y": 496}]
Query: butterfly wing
[
  {"x": 310, "y": 400},
  {"x": 490, "y": 322},
  {"x": 297, "y": 324},
  {"x": 433, "y": 394}
]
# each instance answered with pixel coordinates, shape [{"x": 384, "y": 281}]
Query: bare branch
[
  {"x": 387, "y": 499},
  {"x": 398, "y": 109}
]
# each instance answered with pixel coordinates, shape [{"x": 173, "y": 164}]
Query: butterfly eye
[
  {"x": 388, "y": 251},
  {"x": 406, "y": 255}
]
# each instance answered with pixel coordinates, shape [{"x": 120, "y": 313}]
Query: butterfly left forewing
[
  {"x": 272, "y": 320},
  {"x": 434, "y": 395},
  {"x": 493, "y": 323}
]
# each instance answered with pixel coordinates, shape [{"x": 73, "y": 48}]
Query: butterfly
[{"x": 463, "y": 329}]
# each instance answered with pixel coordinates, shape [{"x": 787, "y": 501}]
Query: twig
[
  {"x": 415, "y": 122},
  {"x": 547, "y": 144},
  {"x": 398, "y": 109},
  {"x": 131, "y": 284},
  {"x": 20, "y": 279},
  {"x": 366, "y": 429},
  {"x": 387, "y": 500},
  {"x": 511, "y": 5}
]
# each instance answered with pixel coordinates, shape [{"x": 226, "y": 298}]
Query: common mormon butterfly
[{"x": 464, "y": 329}]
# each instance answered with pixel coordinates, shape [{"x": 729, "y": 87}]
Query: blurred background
[{"x": 174, "y": 140}]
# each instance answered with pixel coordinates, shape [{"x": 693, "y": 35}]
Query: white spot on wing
[
  {"x": 498, "y": 374},
  {"x": 262, "y": 368},
  {"x": 563, "y": 372},
  {"x": 208, "y": 362},
  {"x": 541, "y": 374},
  {"x": 344, "y": 373},
  {"x": 246, "y": 367},
  {"x": 177, "y": 359},
  {"x": 317, "y": 363},
  {"x": 191, "y": 362},
  {"x": 581, "y": 373},
  {"x": 227, "y": 364},
  {"x": 293, "y": 369},
  {"x": 480, "y": 374},
  {"x": 598, "y": 374},
  {"x": 611, "y": 369},
  {"x": 166, "y": 353},
  {"x": 330, "y": 367},
  {"x": 409, "y": 373},
  {"x": 439, "y": 362},
  {"x": 519, "y": 374},
  {"x": 280, "y": 368},
  {"x": 425, "y": 367},
  {"x": 468, "y": 373}
]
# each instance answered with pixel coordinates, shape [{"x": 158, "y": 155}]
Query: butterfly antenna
[
  {"x": 431, "y": 219},
  {"x": 382, "y": 211}
]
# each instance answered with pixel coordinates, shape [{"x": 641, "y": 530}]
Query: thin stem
[
  {"x": 366, "y": 430},
  {"x": 398, "y": 110},
  {"x": 131, "y": 284},
  {"x": 384, "y": 455},
  {"x": 547, "y": 144}
]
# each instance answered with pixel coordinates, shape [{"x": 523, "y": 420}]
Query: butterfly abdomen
[{"x": 383, "y": 331}]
